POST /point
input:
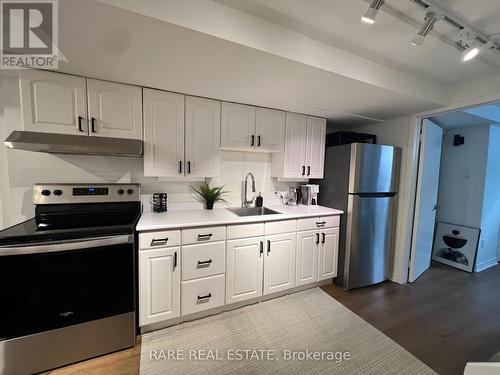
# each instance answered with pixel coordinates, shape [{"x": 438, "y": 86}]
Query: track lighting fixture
[
  {"x": 430, "y": 19},
  {"x": 470, "y": 52},
  {"x": 371, "y": 13}
]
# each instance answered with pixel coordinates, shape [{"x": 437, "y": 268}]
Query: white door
[
  {"x": 53, "y": 102},
  {"x": 431, "y": 140},
  {"x": 202, "y": 137},
  {"x": 159, "y": 285},
  {"x": 316, "y": 137},
  {"x": 295, "y": 146},
  {"x": 163, "y": 134},
  {"x": 244, "y": 269},
  {"x": 115, "y": 109},
  {"x": 270, "y": 130},
  {"x": 237, "y": 127},
  {"x": 328, "y": 253},
  {"x": 307, "y": 257},
  {"x": 279, "y": 262}
]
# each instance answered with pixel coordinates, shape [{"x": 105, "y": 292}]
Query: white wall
[
  {"x": 398, "y": 132},
  {"x": 468, "y": 186},
  {"x": 19, "y": 170},
  {"x": 462, "y": 174},
  {"x": 490, "y": 219}
]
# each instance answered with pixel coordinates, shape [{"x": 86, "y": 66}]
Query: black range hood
[{"x": 73, "y": 144}]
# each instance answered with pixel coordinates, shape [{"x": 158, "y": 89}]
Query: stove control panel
[{"x": 85, "y": 193}]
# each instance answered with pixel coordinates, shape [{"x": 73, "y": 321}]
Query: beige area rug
[{"x": 234, "y": 342}]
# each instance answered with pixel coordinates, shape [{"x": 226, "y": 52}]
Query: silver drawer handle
[
  {"x": 159, "y": 241},
  {"x": 204, "y": 236}
]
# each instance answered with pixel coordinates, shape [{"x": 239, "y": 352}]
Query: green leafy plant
[{"x": 210, "y": 194}]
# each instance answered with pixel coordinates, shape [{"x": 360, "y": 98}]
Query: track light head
[
  {"x": 430, "y": 19},
  {"x": 470, "y": 53},
  {"x": 371, "y": 13}
]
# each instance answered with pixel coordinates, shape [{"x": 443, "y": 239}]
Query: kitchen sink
[{"x": 253, "y": 211}]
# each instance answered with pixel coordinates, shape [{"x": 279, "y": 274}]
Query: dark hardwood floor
[{"x": 446, "y": 318}]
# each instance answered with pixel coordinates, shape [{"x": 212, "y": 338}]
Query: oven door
[{"x": 57, "y": 284}]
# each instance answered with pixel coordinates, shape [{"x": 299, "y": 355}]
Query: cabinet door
[
  {"x": 316, "y": 137},
  {"x": 279, "y": 262},
  {"x": 53, "y": 102},
  {"x": 244, "y": 269},
  {"x": 115, "y": 109},
  {"x": 159, "y": 285},
  {"x": 294, "y": 158},
  {"x": 163, "y": 134},
  {"x": 237, "y": 127},
  {"x": 202, "y": 137},
  {"x": 307, "y": 257},
  {"x": 269, "y": 130},
  {"x": 328, "y": 254}
]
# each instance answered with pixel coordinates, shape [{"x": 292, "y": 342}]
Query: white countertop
[{"x": 221, "y": 216}]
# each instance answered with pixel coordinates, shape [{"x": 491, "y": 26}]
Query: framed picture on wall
[{"x": 456, "y": 246}]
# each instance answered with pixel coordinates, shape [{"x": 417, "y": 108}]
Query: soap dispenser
[{"x": 259, "y": 202}]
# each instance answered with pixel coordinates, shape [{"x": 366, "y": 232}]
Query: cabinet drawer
[
  {"x": 203, "y": 260},
  {"x": 318, "y": 222},
  {"x": 206, "y": 234},
  {"x": 245, "y": 230},
  {"x": 153, "y": 240},
  {"x": 202, "y": 294},
  {"x": 277, "y": 227}
]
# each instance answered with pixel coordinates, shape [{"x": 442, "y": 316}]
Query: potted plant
[{"x": 209, "y": 194}]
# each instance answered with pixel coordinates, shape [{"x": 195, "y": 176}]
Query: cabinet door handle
[
  {"x": 92, "y": 123},
  {"x": 323, "y": 238},
  {"x": 80, "y": 119},
  {"x": 317, "y": 238},
  {"x": 268, "y": 247},
  {"x": 204, "y": 262},
  {"x": 308, "y": 170},
  {"x": 252, "y": 140},
  {"x": 207, "y": 296},
  {"x": 159, "y": 241},
  {"x": 202, "y": 237},
  {"x": 180, "y": 166},
  {"x": 175, "y": 260},
  {"x": 189, "y": 167},
  {"x": 303, "y": 170},
  {"x": 258, "y": 141},
  {"x": 261, "y": 248}
]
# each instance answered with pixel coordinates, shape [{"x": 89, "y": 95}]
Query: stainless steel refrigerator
[{"x": 362, "y": 179}]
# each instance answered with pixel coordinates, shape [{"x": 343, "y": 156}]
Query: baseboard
[{"x": 485, "y": 265}]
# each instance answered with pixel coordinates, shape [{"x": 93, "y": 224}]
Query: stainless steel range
[{"x": 67, "y": 277}]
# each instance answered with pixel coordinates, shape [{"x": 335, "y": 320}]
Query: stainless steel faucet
[{"x": 246, "y": 202}]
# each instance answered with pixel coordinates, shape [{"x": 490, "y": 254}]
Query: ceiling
[
  {"x": 483, "y": 115},
  {"x": 337, "y": 22}
]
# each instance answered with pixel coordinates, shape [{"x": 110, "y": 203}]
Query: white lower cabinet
[
  {"x": 328, "y": 253},
  {"x": 307, "y": 257},
  {"x": 244, "y": 269},
  {"x": 203, "y": 294},
  {"x": 279, "y": 263},
  {"x": 159, "y": 285}
]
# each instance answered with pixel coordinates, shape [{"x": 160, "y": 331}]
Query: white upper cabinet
[
  {"x": 237, "y": 127},
  {"x": 115, "y": 110},
  {"x": 269, "y": 130},
  {"x": 202, "y": 137},
  {"x": 163, "y": 134},
  {"x": 304, "y": 152},
  {"x": 53, "y": 102},
  {"x": 316, "y": 137}
]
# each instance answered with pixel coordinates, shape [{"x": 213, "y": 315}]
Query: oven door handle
[{"x": 67, "y": 245}]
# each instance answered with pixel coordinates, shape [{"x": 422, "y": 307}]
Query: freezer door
[
  {"x": 369, "y": 240},
  {"x": 374, "y": 168}
]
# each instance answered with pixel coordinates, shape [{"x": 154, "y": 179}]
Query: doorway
[{"x": 457, "y": 183}]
